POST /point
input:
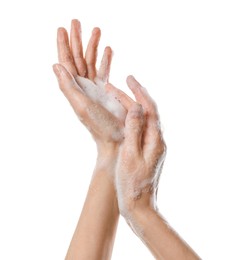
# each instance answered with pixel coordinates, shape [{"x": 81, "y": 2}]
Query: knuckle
[
  {"x": 162, "y": 149},
  {"x": 135, "y": 125},
  {"x": 90, "y": 62},
  {"x": 66, "y": 85},
  {"x": 78, "y": 56},
  {"x": 66, "y": 57},
  {"x": 135, "y": 117},
  {"x": 160, "y": 145},
  {"x": 136, "y": 111}
]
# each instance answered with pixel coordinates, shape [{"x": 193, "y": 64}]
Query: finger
[
  {"x": 152, "y": 134},
  {"x": 76, "y": 47},
  {"x": 142, "y": 95},
  {"x": 133, "y": 129},
  {"x": 100, "y": 122},
  {"x": 64, "y": 52},
  {"x": 70, "y": 89},
  {"x": 154, "y": 152},
  {"x": 105, "y": 66},
  {"x": 123, "y": 98},
  {"x": 91, "y": 53}
]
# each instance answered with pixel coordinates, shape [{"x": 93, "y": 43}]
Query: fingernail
[
  {"x": 57, "y": 70},
  {"x": 109, "y": 50},
  {"x": 131, "y": 79},
  {"x": 96, "y": 30},
  {"x": 75, "y": 21}
]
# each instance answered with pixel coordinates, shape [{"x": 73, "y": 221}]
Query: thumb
[
  {"x": 134, "y": 128},
  {"x": 70, "y": 89},
  {"x": 65, "y": 79}
]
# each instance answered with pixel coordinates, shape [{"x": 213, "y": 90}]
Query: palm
[{"x": 99, "y": 111}]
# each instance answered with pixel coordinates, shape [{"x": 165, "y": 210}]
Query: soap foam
[{"x": 96, "y": 92}]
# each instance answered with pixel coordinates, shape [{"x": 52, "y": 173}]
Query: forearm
[
  {"x": 159, "y": 237},
  {"x": 95, "y": 232}
]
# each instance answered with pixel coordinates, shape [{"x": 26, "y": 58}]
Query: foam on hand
[{"x": 96, "y": 92}]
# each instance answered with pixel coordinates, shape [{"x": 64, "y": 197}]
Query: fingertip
[
  {"x": 138, "y": 90},
  {"x": 108, "y": 50},
  {"x": 61, "y": 72},
  {"x": 75, "y": 21},
  {"x": 75, "y": 24},
  {"x": 132, "y": 82},
  {"x": 61, "y": 30},
  {"x": 56, "y": 69},
  {"x": 66, "y": 80},
  {"x": 61, "y": 34},
  {"x": 130, "y": 78},
  {"x": 96, "y": 31},
  {"x": 107, "y": 58}
]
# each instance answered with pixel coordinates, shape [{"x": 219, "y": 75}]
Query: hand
[
  {"x": 85, "y": 96},
  {"x": 71, "y": 56},
  {"x": 142, "y": 152},
  {"x": 83, "y": 86}
]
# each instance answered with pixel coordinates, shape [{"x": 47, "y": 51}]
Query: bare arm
[
  {"x": 140, "y": 162},
  {"x": 161, "y": 239},
  {"x": 95, "y": 232},
  {"x": 96, "y": 228},
  {"x": 137, "y": 163}
]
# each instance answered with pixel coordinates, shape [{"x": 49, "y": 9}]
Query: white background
[{"x": 187, "y": 54}]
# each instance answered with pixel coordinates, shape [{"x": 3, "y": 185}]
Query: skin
[
  {"x": 96, "y": 228},
  {"x": 127, "y": 170},
  {"x": 140, "y": 162}
]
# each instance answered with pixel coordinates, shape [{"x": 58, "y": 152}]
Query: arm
[
  {"x": 160, "y": 237},
  {"x": 137, "y": 179},
  {"x": 96, "y": 228},
  {"x": 95, "y": 232}
]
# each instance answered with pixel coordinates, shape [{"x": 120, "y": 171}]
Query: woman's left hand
[{"x": 106, "y": 128}]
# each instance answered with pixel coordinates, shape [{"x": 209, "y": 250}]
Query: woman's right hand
[{"x": 142, "y": 152}]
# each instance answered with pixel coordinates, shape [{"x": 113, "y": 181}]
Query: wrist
[
  {"x": 103, "y": 175},
  {"x": 106, "y": 163},
  {"x": 107, "y": 156},
  {"x": 107, "y": 150},
  {"x": 107, "y": 147},
  {"x": 139, "y": 218},
  {"x": 143, "y": 201}
]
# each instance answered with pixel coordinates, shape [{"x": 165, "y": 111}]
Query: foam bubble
[{"x": 96, "y": 91}]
